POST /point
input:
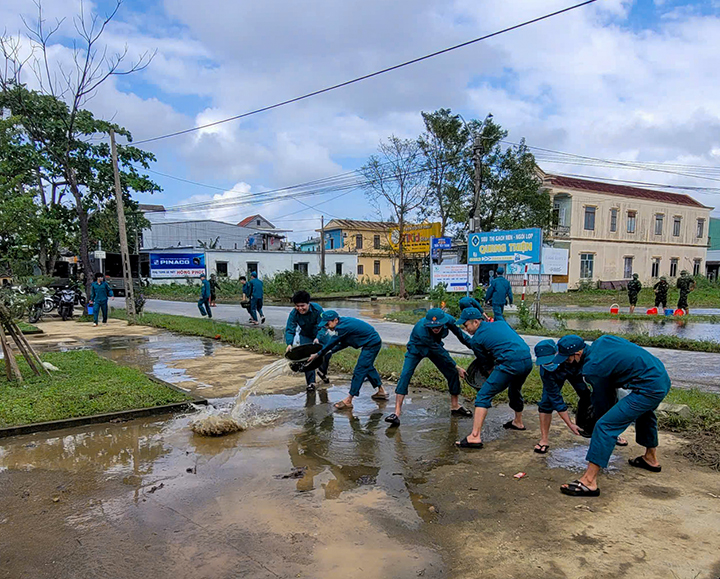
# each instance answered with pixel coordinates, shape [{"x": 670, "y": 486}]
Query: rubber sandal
[
  {"x": 465, "y": 444},
  {"x": 640, "y": 462},
  {"x": 618, "y": 443},
  {"x": 510, "y": 426},
  {"x": 378, "y": 396},
  {"x": 462, "y": 411},
  {"x": 310, "y": 387},
  {"x": 543, "y": 448},
  {"x": 342, "y": 405},
  {"x": 323, "y": 377},
  {"x": 578, "y": 489},
  {"x": 393, "y": 419}
]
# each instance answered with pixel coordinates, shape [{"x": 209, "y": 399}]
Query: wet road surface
[{"x": 686, "y": 369}]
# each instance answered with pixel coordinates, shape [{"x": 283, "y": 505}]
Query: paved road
[{"x": 687, "y": 369}]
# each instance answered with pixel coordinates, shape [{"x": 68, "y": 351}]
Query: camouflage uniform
[
  {"x": 684, "y": 284},
  {"x": 634, "y": 286},
  {"x": 661, "y": 290}
]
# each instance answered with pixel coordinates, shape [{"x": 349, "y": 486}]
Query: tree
[
  {"x": 394, "y": 179},
  {"x": 53, "y": 119},
  {"x": 510, "y": 195},
  {"x": 444, "y": 146},
  {"x": 103, "y": 225}
]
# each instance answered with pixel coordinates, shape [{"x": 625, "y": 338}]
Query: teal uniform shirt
[
  {"x": 469, "y": 302},
  {"x": 100, "y": 292},
  {"x": 500, "y": 292},
  {"x": 256, "y": 288},
  {"x": 205, "y": 290},
  {"x": 499, "y": 342},
  {"x": 308, "y": 323},
  {"x": 353, "y": 333}
]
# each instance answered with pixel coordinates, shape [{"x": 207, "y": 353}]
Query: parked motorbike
[{"x": 66, "y": 304}]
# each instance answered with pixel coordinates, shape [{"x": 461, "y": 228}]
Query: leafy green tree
[{"x": 103, "y": 224}]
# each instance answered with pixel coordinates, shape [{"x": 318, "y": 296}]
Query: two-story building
[
  {"x": 369, "y": 239},
  {"x": 613, "y": 231}
]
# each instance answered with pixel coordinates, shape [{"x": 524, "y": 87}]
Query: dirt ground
[{"x": 147, "y": 498}]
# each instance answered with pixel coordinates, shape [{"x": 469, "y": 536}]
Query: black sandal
[
  {"x": 640, "y": 462},
  {"x": 462, "y": 411},
  {"x": 543, "y": 448},
  {"x": 510, "y": 426},
  {"x": 393, "y": 419},
  {"x": 465, "y": 444},
  {"x": 618, "y": 443},
  {"x": 578, "y": 489},
  {"x": 310, "y": 387},
  {"x": 323, "y": 377}
]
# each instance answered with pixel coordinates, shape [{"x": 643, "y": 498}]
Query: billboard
[
  {"x": 515, "y": 246},
  {"x": 164, "y": 265},
  {"x": 554, "y": 262},
  {"x": 455, "y": 277},
  {"x": 416, "y": 238}
]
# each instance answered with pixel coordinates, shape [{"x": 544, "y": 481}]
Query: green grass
[
  {"x": 669, "y": 342},
  {"x": 26, "y": 328},
  {"x": 86, "y": 384}
]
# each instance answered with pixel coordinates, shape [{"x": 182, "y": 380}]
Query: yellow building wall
[{"x": 367, "y": 255}]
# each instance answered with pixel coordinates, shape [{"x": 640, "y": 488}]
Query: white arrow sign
[{"x": 520, "y": 257}]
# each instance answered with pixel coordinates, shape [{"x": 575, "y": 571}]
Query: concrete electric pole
[
  {"x": 124, "y": 252},
  {"x": 322, "y": 244}
]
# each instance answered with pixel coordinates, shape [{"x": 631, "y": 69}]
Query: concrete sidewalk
[{"x": 686, "y": 369}]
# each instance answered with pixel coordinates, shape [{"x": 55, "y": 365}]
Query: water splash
[{"x": 212, "y": 422}]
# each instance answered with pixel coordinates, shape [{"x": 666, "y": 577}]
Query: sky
[{"x": 618, "y": 79}]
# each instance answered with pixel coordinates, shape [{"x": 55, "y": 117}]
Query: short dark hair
[
  {"x": 98, "y": 275},
  {"x": 243, "y": 277},
  {"x": 301, "y": 297}
]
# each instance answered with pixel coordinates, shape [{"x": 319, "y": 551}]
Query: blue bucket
[
  {"x": 90, "y": 311},
  {"x": 669, "y": 312}
]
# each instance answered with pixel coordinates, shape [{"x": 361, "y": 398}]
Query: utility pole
[
  {"x": 322, "y": 244},
  {"x": 124, "y": 253},
  {"x": 478, "y": 152}
]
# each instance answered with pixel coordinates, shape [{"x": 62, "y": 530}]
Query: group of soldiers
[
  {"x": 685, "y": 284},
  {"x": 598, "y": 372},
  {"x": 252, "y": 298}
]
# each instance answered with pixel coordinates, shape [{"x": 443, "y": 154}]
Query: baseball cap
[
  {"x": 545, "y": 352},
  {"x": 567, "y": 346},
  {"x": 253, "y": 274},
  {"x": 202, "y": 275},
  {"x": 326, "y": 316},
  {"x": 500, "y": 270},
  {"x": 469, "y": 314},
  {"x": 436, "y": 318}
]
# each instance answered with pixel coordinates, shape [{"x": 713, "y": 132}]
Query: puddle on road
[{"x": 573, "y": 459}]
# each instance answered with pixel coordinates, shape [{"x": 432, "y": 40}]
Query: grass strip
[{"x": 86, "y": 384}]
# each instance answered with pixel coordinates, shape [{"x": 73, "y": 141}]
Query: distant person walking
[
  {"x": 499, "y": 293},
  {"x": 661, "y": 290},
  {"x": 685, "y": 284},
  {"x": 204, "y": 301},
  {"x": 100, "y": 290},
  {"x": 256, "y": 299},
  {"x": 214, "y": 286},
  {"x": 633, "y": 288}
]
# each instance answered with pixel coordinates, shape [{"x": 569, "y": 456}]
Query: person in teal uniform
[
  {"x": 256, "y": 299},
  {"x": 608, "y": 364},
  {"x": 306, "y": 316},
  {"x": 496, "y": 344},
  {"x": 204, "y": 301},
  {"x": 426, "y": 342},
  {"x": 354, "y": 333},
  {"x": 100, "y": 291},
  {"x": 499, "y": 293},
  {"x": 469, "y": 302}
]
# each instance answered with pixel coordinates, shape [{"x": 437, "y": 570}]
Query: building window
[
  {"x": 361, "y": 269},
  {"x": 676, "y": 226},
  {"x": 627, "y": 267},
  {"x": 659, "y": 219},
  {"x": 613, "y": 220},
  {"x": 358, "y": 242},
  {"x": 673, "y": 266},
  {"x": 301, "y": 267},
  {"x": 700, "y": 228},
  {"x": 631, "y": 221},
  {"x": 252, "y": 266},
  {"x": 338, "y": 268},
  {"x": 590, "y": 218},
  {"x": 587, "y": 265},
  {"x": 696, "y": 266},
  {"x": 221, "y": 268},
  {"x": 376, "y": 267},
  {"x": 376, "y": 241},
  {"x": 332, "y": 243},
  {"x": 257, "y": 221},
  {"x": 655, "y": 267}
]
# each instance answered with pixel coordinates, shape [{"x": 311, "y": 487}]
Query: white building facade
[{"x": 612, "y": 231}]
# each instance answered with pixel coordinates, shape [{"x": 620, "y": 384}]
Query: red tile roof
[{"x": 622, "y": 190}]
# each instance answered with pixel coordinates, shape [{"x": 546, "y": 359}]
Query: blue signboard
[
  {"x": 516, "y": 246},
  {"x": 441, "y": 243},
  {"x": 176, "y": 264}
]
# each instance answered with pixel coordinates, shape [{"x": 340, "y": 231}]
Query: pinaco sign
[{"x": 416, "y": 238}]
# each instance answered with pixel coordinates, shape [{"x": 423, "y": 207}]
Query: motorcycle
[
  {"x": 48, "y": 303},
  {"x": 66, "y": 304}
]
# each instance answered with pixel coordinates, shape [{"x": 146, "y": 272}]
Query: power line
[{"x": 367, "y": 76}]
